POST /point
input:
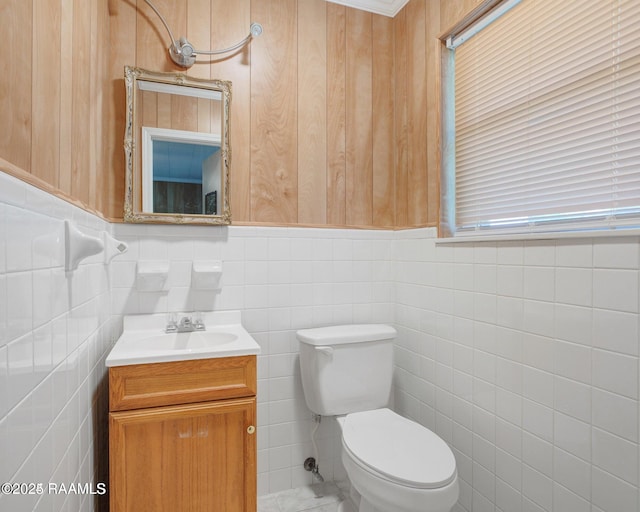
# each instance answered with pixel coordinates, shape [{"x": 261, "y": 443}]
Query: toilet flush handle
[{"x": 325, "y": 350}]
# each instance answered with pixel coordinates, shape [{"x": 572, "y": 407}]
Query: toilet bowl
[{"x": 394, "y": 464}]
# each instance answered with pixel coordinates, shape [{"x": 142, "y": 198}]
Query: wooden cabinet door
[{"x": 184, "y": 458}]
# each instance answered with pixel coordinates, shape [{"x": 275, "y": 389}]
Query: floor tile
[{"x": 324, "y": 497}]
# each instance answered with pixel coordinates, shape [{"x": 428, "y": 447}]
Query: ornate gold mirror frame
[{"x": 170, "y": 115}]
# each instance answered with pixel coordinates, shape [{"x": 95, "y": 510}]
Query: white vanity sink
[
  {"x": 144, "y": 340},
  {"x": 189, "y": 341}
]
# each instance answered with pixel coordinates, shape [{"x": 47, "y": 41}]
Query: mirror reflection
[
  {"x": 183, "y": 176},
  {"x": 180, "y": 174}
]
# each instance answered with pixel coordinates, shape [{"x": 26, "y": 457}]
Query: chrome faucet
[{"x": 186, "y": 324}]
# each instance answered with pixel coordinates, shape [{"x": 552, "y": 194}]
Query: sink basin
[
  {"x": 185, "y": 340},
  {"x": 144, "y": 340}
]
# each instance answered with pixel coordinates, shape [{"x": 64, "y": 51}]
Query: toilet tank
[{"x": 346, "y": 368}]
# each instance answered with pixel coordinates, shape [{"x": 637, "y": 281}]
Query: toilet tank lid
[{"x": 352, "y": 333}]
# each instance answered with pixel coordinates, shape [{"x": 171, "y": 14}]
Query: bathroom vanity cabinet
[{"x": 182, "y": 436}]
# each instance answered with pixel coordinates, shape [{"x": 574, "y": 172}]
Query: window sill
[{"x": 551, "y": 235}]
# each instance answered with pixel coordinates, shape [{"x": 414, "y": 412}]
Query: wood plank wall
[
  {"x": 416, "y": 113},
  {"x": 335, "y": 111},
  {"x": 312, "y": 108},
  {"x": 52, "y": 102}
]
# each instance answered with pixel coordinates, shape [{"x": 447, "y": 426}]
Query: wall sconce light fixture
[{"x": 183, "y": 53}]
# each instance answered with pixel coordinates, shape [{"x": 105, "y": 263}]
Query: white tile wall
[
  {"x": 540, "y": 398},
  {"x": 283, "y": 279},
  {"x": 55, "y": 331},
  {"x": 523, "y": 355}
]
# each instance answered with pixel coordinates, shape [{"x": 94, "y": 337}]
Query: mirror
[{"x": 177, "y": 152}]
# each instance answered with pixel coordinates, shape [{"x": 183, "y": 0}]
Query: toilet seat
[{"x": 398, "y": 449}]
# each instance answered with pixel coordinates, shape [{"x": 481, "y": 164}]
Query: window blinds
[{"x": 547, "y": 117}]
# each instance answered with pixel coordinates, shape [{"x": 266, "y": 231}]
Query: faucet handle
[
  {"x": 198, "y": 323},
  {"x": 172, "y": 324}
]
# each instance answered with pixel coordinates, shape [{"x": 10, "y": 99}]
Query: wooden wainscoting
[
  {"x": 313, "y": 127},
  {"x": 335, "y": 111},
  {"x": 53, "y": 102}
]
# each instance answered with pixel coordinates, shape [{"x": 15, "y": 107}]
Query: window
[{"x": 543, "y": 131}]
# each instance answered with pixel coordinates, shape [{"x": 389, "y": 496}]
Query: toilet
[{"x": 394, "y": 464}]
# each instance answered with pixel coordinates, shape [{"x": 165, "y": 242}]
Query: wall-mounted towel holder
[
  {"x": 112, "y": 247},
  {"x": 79, "y": 246}
]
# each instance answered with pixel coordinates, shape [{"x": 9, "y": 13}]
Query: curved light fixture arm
[
  {"x": 164, "y": 22},
  {"x": 184, "y": 54},
  {"x": 255, "y": 31}
]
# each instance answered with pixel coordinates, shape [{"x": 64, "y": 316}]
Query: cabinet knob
[{"x": 251, "y": 429}]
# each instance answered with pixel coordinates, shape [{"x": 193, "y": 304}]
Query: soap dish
[{"x": 205, "y": 274}]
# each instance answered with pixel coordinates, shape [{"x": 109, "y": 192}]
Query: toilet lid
[{"x": 399, "y": 449}]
